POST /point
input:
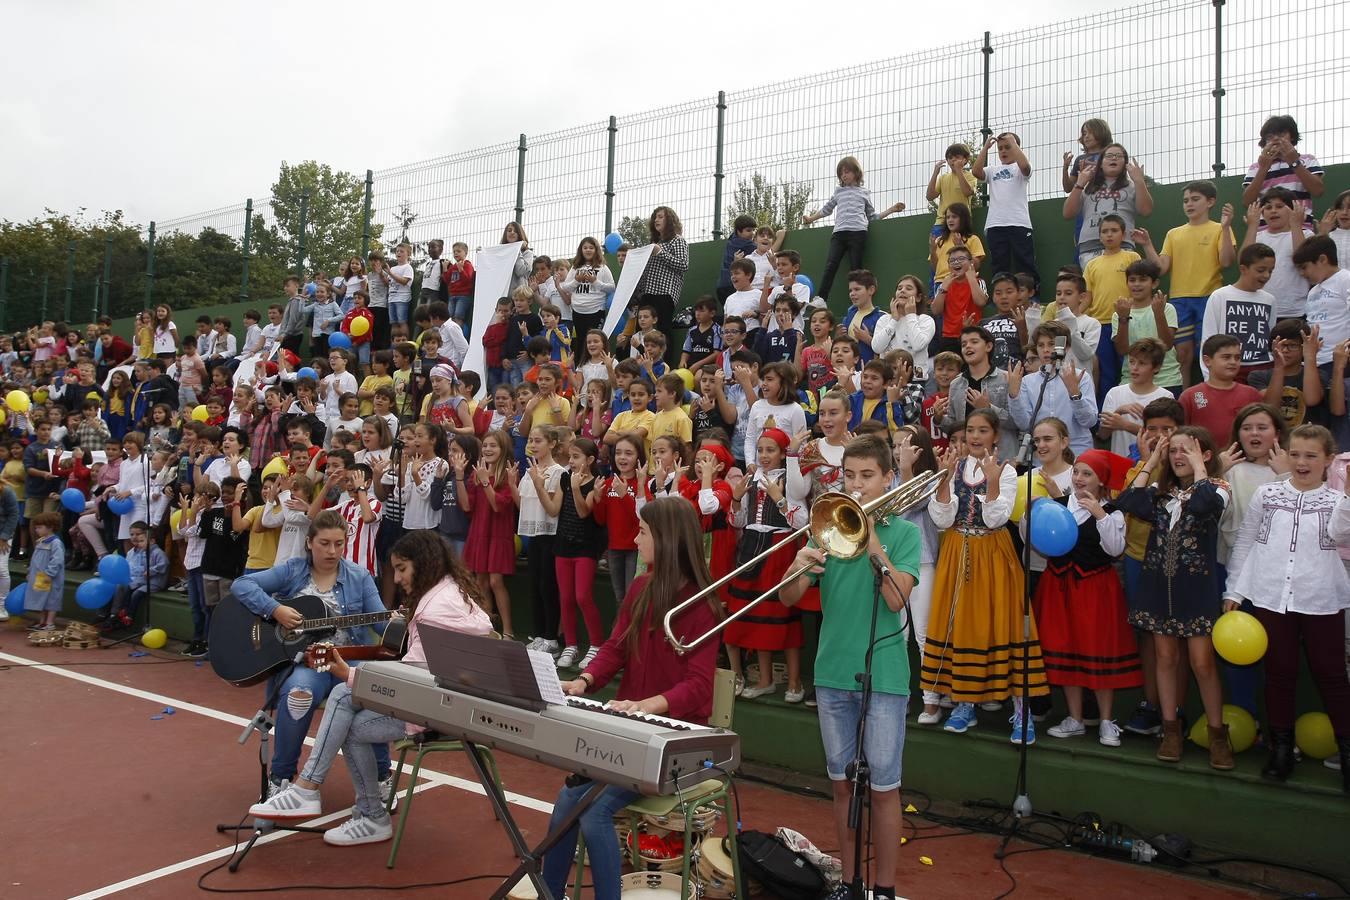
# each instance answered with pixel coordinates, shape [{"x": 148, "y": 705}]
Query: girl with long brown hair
[{"x": 656, "y": 680}]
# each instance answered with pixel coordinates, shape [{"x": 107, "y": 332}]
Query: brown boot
[
  {"x": 1170, "y": 749},
  {"x": 1220, "y": 748}
]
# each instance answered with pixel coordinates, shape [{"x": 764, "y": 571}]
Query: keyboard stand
[{"x": 531, "y": 859}]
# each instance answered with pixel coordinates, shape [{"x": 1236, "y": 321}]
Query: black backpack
[{"x": 782, "y": 872}]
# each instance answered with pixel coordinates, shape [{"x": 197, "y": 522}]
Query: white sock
[
  {"x": 307, "y": 793},
  {"x": 1017, "y": 707}
]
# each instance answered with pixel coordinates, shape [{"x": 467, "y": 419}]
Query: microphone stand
[
  {"x": 262, "y": 723},
  {"x": 1021, "y": 807},
  {"x": 857, "y": 770}
]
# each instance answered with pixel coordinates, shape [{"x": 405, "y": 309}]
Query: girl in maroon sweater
[{"x": 670, "y": 541}]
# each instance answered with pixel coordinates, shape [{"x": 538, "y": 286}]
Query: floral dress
[{"x": 1180, "y": 590}]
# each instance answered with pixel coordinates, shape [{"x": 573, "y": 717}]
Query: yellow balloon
[
  {"x": 41, "y": 395},
  {"x": 360, "y": 325},
  {"x": 276, "y": 467},
  {"x": 1239, "y": 638},
  {"x": 154, "y": 638},
  {"x": 687, "y": 377},
  {"x": 1037, "y": 491},
  {"x": 18, "y": 401},
  {"x": 175, "y": 519},
  {"x": 1241, "y": 729},
  {"x": 1313, "y": 735},
  {"x": 518, "y": 545},
  {"x": 2, "y": 415},
  {"x": 199, "y": 413}
]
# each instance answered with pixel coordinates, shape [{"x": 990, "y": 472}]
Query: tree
[
  {"x": 634, "y": 231},
  {"x": 333, "y": 217},
  {"x": 780, "y": 205}
]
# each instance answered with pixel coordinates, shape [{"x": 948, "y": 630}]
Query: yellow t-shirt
[
  {"x": 262, "y": 545},
  {"x": 671, "y": 421},
  {"x": 628, "y": 420},
  {"x": 1136, "y": 530},
  {"x": 949, "y": 191},
  {"x": 1194, "y": 250},
  {"x": 373, "y": 383},
  {"x": 942, "y": 270},
  {"x": 544, "y": 415},
  {"x": 1105, "y": 277}
]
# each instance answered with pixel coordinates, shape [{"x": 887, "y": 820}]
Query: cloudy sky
[{"x": 163, "y": 109}]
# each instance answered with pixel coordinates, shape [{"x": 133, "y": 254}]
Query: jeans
[
  {"x": 543, "y": 586},
  {"x": 622, "y": 571},
  {"x": 4, "y": 576},
  {"x": 201, "y": 614},
  {"x": 359, "y": 734},
  {"x": 885, "y": 741},
  {"x": 518, "y": 369},
  {"x": 602, "y": 844},
  {"x": 576, "y": 589},
  {"x": 398, "y": 312},
  {"x": 1011, "y": 250},
  {"x": 187, "y": 397},
  {"x": 363, "y": 353},
  {"x": 461, "y": 307},
  {"x": 128, "y": 598},
  {"x": 851, "y": 242},
  {"x": 495, "y": 375},
  {"x": 293, "y": 722}
]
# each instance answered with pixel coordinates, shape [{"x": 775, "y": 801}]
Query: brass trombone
[{"x": 840, "y": 526}]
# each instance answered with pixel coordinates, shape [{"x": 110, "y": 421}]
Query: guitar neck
[{"x": 352, "y": 621}]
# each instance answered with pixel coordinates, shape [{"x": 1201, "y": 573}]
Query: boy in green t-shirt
[
  {"x": 846, "y": 589},
  {"x": 1146, "y": 314}
]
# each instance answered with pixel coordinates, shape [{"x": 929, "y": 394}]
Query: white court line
[
  {"x": 137, "y": 880},
  {"x": 433, "y": 777}
]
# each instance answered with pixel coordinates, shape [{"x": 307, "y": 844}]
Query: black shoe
[{"x": 1280, "y": 764}]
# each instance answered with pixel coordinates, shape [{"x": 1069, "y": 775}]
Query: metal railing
[{"x": 1184, "y": 84}]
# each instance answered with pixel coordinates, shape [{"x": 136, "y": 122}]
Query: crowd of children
[{"x": 227, "y": 446}]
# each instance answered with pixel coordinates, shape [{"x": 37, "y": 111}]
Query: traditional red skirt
[
  {"x": 770, "y": 625},
  {"x": 1085, "y": 638}
]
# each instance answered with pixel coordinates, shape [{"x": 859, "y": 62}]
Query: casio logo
[{"x": 381, "y": 689}]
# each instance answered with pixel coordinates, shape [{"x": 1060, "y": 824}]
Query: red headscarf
[
  {"x": 778, "y": 436},
  {"x": 1111, "y": 468}
]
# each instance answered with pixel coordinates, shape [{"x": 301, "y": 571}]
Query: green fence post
[
  {"x": 1218, "y": 91},
  {"x": 70, "y": 280},
  {"x": 107, "y": 277},
  {"x": 4, "y": 293},
  {"x": 42, "y": 316},
  {"x": 609, "y": 177},
  {"x": 150, "y": 266},
  {"x": 365, "y": 215},
  {"x": 96, "y": 288},
  {"x": 248, "y": 238},
  {"x": 987, "y": 51},
  {"x": 520, "y": 179},
  {"x": 300, "y": 244},
  {"x": 718, "y": 174}
]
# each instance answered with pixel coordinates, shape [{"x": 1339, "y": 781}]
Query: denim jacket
[
  {"x": 996, "y": 388},
  {"x": 355, "y": 590}
]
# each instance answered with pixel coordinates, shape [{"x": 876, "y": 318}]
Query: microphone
[{"x": 880, "y": 565}]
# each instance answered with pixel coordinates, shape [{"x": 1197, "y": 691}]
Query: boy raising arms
[
  {"x": 956, "y": 185},
  {"x": 1196, "y": 255},
  {"x": 845, "y": 586}
]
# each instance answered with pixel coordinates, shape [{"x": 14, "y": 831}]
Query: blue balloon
[
  {"x": 14, "y": 602},
  {"x": 307, "y": 372},
  {"x": 94, "y": 593},
  {"x": 612, "y": 242},
  {"x": 115, "y": 569},
  {"x": 810, "y": 285},
  {"x": 339, "y": 341},
  {"x": 1053, "y": 530},
  {"x": 73, "y": 500},
  {"x": 120, "y": 506}
]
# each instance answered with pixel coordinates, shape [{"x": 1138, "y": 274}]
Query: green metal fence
[{"x": 1184, "y": 84}]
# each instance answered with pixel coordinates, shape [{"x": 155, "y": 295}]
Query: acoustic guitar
[{"x": 246, "y": 648}]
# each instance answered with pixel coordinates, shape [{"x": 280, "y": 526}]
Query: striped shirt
[
  {"x": 852, "y": 208},
  {"x": 361, "y": 535},
  {"x": 1282, "y": 174}
]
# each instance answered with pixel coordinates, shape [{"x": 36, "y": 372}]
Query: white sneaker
[
  {"x": 1333, "y": 763},
  {"x": 362, "y": 830},
  {"x": 991, "y": 705},
  {"x": 1108, "y": 733},
  {"x": 930, "y": 718},
  {"x": 1068, "y": 728},
  {"x": 756, "y": 690},
  {"x": 568, "y": 657},
  {"x": 4, "y": 614},
  {"x": 589, "y": 657},
  {"x": 389, "y": 793},
  {"x": 535, "y": 643},
  {"x": 288, "y": 803},
  {"x": 796, "y": 696},
  {"x": 549, "y": 647}
]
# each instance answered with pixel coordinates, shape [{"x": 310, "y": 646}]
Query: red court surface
[{"x": 104, "y": 800}]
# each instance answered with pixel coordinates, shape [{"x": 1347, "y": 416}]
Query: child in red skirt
[
  {"x": 767, "y": 518},
  {"x": 1080, "y": 603}
]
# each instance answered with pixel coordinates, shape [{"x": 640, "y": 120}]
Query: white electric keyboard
[{"x": 652, "y": 755}]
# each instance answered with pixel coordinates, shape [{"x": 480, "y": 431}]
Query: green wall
[{"x": 896, "y": 247}]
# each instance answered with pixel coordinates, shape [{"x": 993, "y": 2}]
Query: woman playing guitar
[
  {"x": 346, "y": 589},
  {"x": 656, "y": 680},
  {"x": 439, "y": 590}
]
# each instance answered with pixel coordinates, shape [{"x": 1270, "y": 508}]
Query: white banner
[
  {"x": 493, "y": 268},
  {"x": 633, "y": 267}
]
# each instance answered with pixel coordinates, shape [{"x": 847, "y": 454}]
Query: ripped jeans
[
  {"x": 293, "y": 715},
  {"x": 359, "y": 734}
]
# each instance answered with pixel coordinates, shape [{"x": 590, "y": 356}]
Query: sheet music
[{"x": 546, "y": 677}]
